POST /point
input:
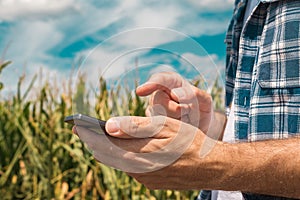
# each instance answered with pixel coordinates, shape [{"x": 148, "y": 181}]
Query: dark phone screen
[{"x": 88, "y": 122}]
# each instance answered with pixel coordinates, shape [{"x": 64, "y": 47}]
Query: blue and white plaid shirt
[{"x": 263, "y": 72}]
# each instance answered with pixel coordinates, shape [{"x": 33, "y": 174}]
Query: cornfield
[{"x": 41, "y": 159}]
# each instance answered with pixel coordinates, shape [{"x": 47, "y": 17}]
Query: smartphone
[{"x": 88, "y": 122}]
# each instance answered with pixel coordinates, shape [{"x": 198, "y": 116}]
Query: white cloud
[
  {"x": 152, "y": 17},
  {"x": 19, "y": 9},
  {"x": 209, "y": 66},
  {"x": 203, "y": 62},
  {"x": 162, "y": 68},
  {"x": 97, "y": 61},
  {"x": 144, "y": 37},
  {"x": 88, "y": 21},
  {"x": 117, "y": 54},
  {"x": 46, "y": 74},
  {"x": 204, "y": 27},
  {"x": 212, "y": 5},
  {"x": 177, "y": 15},
  {"x": 28, "y": 49},
  {"x": 34, "y": 42},
  {"x": 105, "y": 61},
  {"x": 43, "y": 25}
]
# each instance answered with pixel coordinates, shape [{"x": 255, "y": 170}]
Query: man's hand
[
  {"x": 156, "y": 147},
  {"x": 175, "y": 97},
  {"x": 164, "y": 153}
]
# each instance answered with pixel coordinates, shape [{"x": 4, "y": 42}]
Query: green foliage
[
  {"x": 41, "y": 159},
  {"x": 2, "y": 66},
  {"x": 217, "y": 94}
]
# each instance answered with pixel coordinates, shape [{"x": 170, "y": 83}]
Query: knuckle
[
  {"x": 177, "y": 108},
  {"x": 203, "y": 95},
  {"x": 139, "y": 122},
  {"x": 156, "y": 96},
  {"x": 178, "y": 112},
  {"x": 159, "y": 75}
]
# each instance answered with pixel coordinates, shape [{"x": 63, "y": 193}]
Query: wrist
[
  {"x": 215, "y": 165},
  {"x": 224, "y": 172},
  {"x": 217, "y": 125}
]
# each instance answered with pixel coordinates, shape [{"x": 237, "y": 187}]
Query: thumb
[{"x": 135, "y": 127}]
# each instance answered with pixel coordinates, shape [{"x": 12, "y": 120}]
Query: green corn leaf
[
  {"x": 29, "y": 87},
  {"x": 3, "y": 65}
]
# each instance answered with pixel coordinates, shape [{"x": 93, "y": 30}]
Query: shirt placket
[{"x": 248, "y": 53}]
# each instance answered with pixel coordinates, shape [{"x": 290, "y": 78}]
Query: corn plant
[
  {"x": 2, "y": 66},
  {"x": 41, "y": 159}
]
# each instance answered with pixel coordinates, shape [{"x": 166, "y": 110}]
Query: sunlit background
[
  {"x": 49, "y": 41},
  {"x": 51, "y": 37}
]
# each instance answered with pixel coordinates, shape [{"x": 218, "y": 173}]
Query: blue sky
[{"x": 51, "y": 36}]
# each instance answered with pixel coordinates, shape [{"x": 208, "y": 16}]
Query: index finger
[{"x": 165, "y": 81}]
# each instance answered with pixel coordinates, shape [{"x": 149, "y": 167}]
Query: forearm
[{"x": 267, "y": 167}]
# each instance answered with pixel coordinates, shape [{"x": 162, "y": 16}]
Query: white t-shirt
[
  {"x": 229, "y": 130},
  {"x": 228, "y": 137}
]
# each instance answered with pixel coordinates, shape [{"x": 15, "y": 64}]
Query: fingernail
[
  {"x": 179, "y": 92},
  {"x": 113, "y": 126}
]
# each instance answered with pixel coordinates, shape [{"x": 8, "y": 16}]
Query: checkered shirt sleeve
[
  {"x": 263, "y": 69},
  {"x": 263, "y": 73}
]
